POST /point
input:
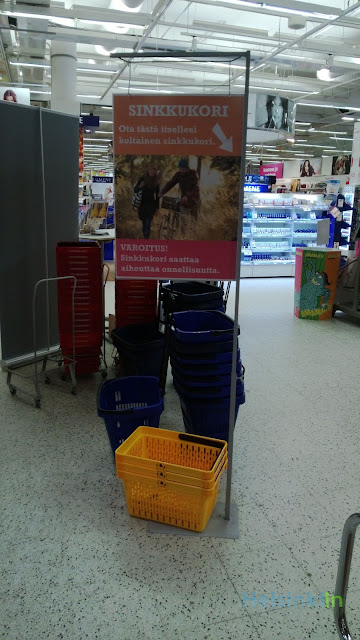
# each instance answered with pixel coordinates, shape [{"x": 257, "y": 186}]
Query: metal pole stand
[
  {"x": 342, "y": 580},
  {"x": 224, "y": 522},
  {"x": 105, "y": 279}
]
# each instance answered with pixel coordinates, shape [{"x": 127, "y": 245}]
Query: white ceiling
[{"x": 283, "y": 59}]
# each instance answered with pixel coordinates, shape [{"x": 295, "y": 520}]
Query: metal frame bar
[
  {"x": 212, "y": 55},
  {"x": 342, "y": 580},
  {"x": 159, "y": 10},
  {"x": 44, "y": 354},
  {"x": 232, "y": 412},
  {"x": 234, "y": 56}
]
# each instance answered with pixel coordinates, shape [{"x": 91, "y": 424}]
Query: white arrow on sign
[{"x": 227, "y": 143}]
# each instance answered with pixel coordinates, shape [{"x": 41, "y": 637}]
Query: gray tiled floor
[{"x": 76, "y": 566}]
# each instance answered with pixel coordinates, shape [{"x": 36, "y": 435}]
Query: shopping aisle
[{"x": 76, "y": 566}]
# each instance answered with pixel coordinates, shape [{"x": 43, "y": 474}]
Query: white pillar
[
  {"x": 63, "y": 78},
  {"x": 355, "y": 162}
]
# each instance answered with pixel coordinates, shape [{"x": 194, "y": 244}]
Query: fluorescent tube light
[
  {"x": 30, "y": 64},
  {"x": 325, "y": 105}
]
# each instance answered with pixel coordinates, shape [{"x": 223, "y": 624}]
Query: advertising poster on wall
[
  {"x": 274, "y": 112},
  {"x": 310, "y": 167},
  {"x": 102, "y": 189},
  {"x": 177, "y": 173},
  {"x": 15, "y": 94},
  {"x": 341, "y": 165},
  {"x": 273, "y": 169}
]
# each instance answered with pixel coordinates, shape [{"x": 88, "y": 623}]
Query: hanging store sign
[
  {"x": 257, "y": 188},
  {"x": 89, "y": 122},
  {"x": 273, "y": 169},
  {"x": 177, "y": 174}
]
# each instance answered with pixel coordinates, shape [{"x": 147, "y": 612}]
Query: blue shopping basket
[{"x": 128, "y": 403}]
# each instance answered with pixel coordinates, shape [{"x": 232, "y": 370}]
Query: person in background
[
  {"x": 277, "y": 113},
  {"x": 148, "y": 184},
  {"x": 188, "y": 181},
  {"x": 307, "y": 170},
  {"x": 10, "y": 96}
]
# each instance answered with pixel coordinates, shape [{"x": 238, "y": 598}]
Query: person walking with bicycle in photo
[
  {"x": 147, "y": 188},
  {"x": 188, "y": 181}
]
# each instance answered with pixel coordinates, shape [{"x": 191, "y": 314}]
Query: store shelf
[
  {"x": 289, "y": 226},
  {"x": 257, "y": 220},
  {"x": 296, "y": 221},
  {"x": 271, "y": 250}
]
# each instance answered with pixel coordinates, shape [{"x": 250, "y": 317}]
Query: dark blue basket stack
[
  {"x": 201, "y": 359},
  {"x": 192, "y": 295},
  {"x": 128, "y": 403},
  {"x": 140, "y": 349}
]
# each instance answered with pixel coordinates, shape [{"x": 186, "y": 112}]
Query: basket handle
[
  {"x": 203, "y": 441},
  {"x": 221, "y": 332}
]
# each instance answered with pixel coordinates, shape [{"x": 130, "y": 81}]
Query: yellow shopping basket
[
  {"x": 180, "y": 453},
  {"x": 191, "y": 467}
]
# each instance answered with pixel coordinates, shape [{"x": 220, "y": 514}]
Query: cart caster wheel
[
  {"x": 47, "y": 380},
  {"x": 74, "y": 391},
  {"x": 12, "y": 390},
  {"x": 63, "y": 377},
  {"x": 37, "y": 403},
  {"x": 104, "y": 374}
]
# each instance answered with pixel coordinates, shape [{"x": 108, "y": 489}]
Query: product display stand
[{"x": 219, "y": 526}]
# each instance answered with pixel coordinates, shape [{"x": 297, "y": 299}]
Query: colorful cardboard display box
[{"x": 316, "y": 274}]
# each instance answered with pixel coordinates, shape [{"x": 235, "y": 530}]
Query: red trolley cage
[
  {"x": 136, "y": 302},
  {"x": 84, "y": 261}
]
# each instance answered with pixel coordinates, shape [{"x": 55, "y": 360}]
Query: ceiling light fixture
[
  {"x": 324, "y": 105},
  {"x": 349, "y": 118},
  {"x": 324, "y": 73},
  {"x": 102, "y": 51}
]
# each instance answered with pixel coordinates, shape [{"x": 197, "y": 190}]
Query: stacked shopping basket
[
  {"x": 139, "y": 343},
  {"x": 135, "y": 302},
  {"x": 85, "y": 330},
  {"x": 127, "y": 403},
  {"x": 171, "y": 477},
  {"x": 201, "y": 346},
  {"x": 192, "y": 295}
]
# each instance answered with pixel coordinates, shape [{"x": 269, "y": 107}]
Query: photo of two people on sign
[{"x": 177, "y": 197}]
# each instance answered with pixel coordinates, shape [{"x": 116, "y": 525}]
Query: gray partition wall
[{"x": 39, "y": 207}]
